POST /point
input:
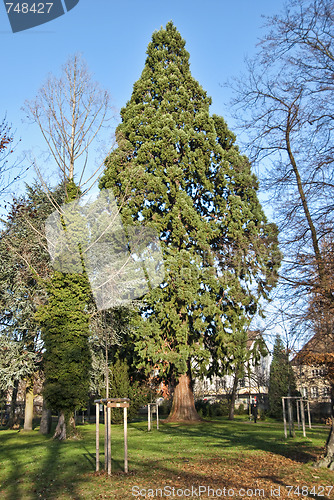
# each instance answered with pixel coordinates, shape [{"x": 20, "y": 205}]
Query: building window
[
  {"x": 318, "y": 372},
  {"x": 326, "y": 392},
  {"x": 314, "y": 392},
  {"x": 220, "y": 384},
  {"x": 305, "y": 392}
]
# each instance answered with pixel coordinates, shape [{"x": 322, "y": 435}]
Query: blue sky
[{"x": 113, "y": 36}]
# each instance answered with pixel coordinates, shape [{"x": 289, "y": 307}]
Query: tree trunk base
[
  {"x": 13, "y": 418},
  {"x": 233, "y": 397},
  {"x": 60, "y": 432},
  {"x": 46, "y": 420},
  {"x": 29, "y": 406},
  {"x": 65, "y": 428},
  {"x": 183, "y": 407},
  {"x": 328, "y": 460}
]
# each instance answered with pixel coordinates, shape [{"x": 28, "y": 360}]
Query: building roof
[
  {"x": 319, "y": 344},
  {"x": 252, "y": 335}
]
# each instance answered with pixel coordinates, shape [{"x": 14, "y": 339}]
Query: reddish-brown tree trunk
[{"x": 183, "y": 407}]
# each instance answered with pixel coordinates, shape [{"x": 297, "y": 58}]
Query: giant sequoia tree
[{"x": 183, "y": 175}]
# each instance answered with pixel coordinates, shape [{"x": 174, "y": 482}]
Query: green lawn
[{"x": 243, "y": 457}]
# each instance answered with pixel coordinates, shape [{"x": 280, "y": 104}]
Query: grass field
[{"x": 209, "y": 460}]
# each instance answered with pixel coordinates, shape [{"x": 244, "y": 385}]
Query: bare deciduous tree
[
  {"x": 70, "y": 111},
  {"x": 287, "y": 106},
  {"x": 10, "y": 171}
]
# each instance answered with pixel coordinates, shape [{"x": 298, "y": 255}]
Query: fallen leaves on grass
[{"x": 263, "y": 475}]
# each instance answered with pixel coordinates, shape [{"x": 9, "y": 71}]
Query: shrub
[
  {"x": 241, "y": 410},
  {"x": 207, "y": 409},
  {"x": 121, "y": 386},
  {"x": 165, "y": 407}
]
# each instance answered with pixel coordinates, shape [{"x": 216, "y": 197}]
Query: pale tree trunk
[
  {"x": 328, "y": 460},
  {"x": 183, "y": 407},
  {"x": 45, "y": 425},
  {"x": 60, "y": 432},
  {"x": 29, "y": 405},
  {"x": 65, "y": 427},
  {"x": 233, "y": 397}
]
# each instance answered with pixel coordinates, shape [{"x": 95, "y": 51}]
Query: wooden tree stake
[
  {"x": 284, "y": 419},
  {"x": 125, "y": 440},
  {"x": 97, "y": 437},
  {"x": 108, "y": 404}
]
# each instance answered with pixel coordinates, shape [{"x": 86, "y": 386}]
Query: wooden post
[
  {"x": 109, "y": 439},
  {"x": 303, "y": 416},
  {"x": 157, "y": 410},
  {"x": 109, "y": 403},
  {"x": 309, "y": 414},
  {"x": 149, "y": 417},
  {"x": 290, "y": 414},
  {"x": 125, "y": 440},
  {"x": 105, "y": 437},
  {"x": 97, "y": 437},
  {"x": 298, "y": 417},
  {"x": 284, "y": 419}
]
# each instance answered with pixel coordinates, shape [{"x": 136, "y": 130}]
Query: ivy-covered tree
[
  {"x": 248, "y": 349},
  {"x": 64, "y": 323},
  {"x": 281, "y": 380},
  {"x": 184, "y": 176},
  {"x": 67, "y": 360}
]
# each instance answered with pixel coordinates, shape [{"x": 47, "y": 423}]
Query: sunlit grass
[{"x": 34, "y": 466}]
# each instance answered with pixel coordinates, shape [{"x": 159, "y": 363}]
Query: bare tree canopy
[
  {"x": 70, "y": 111},
  {"x": 10, "y": 171},
  {"x": 286, "y": 104}
]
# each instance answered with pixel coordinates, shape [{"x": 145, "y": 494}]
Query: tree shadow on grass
[
  {"x": 39, "y": 467},
  {"x": 36, "y": 466},
  {"x": 11, "y": 465},
  {"x": 250, "y": 437}
]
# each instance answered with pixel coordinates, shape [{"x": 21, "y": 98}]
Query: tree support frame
[{"x": 109, "y": 403}]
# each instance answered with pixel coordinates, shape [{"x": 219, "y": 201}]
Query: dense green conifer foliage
[
  {"x": 122, "y": 385},
  {"x": 65, "y": 331},
  {"x": 182, "y": 174},
  {"x": 282, "y": 379}
]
